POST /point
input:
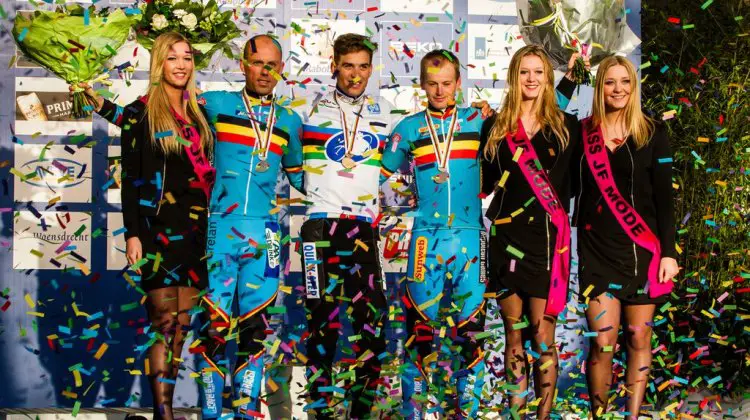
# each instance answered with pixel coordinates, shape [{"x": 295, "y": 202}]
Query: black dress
[
  {"x": 530, "y": 231},
  {"x": 162, "y": 206},
  {"x": 608, "y": 259}
]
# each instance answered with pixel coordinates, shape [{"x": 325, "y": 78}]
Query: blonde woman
[
  {"x": 166, "y": 142},
  {"x": 527, "y": 151},
  {"x": 625, "y": 236}
]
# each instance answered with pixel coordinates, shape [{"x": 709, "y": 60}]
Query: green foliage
[{"x": 697, "y": 69}]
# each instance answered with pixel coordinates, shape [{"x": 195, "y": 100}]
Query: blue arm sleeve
[
  {"x": 292, "y": 159},
  {"x": 564, "y": 92},
  {"x": 396, "y": 151}
]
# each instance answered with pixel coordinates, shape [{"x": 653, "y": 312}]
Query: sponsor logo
[
  {"x": 480, "y": 48},
  {"x": 322, "y": 68},
  {"x": 416, "y": 47},
  {"x": 365, "y": 142},
  {"x": 248, "y": 380},
  {"x": 468, "y": 394},
  {"x": 374, "y": 108},
  {"x": 421, "y": 257},
  {"x": 396, "y": 244},
  {"x": 274, "y": 248},
  {"x": 396, "y": 138},
  {"x": 55, "y": 173},
  {"x": 418, "y": 406},
  {"x": 312, "y": 283},
  {"x": 483, "y": 257},
  {"x": 59, "y": 238},
  {"x": 417, "y": 386},
  {"x": 209, "y": 391},
  {"x": 211, "y": 237}
]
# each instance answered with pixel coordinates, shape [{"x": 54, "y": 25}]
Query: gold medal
[
  {"x": 348, "y": 161},
  {"x": 349, "y": 138}
]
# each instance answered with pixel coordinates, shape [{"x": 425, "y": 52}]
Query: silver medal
[
  {"x": 262, "y": 166},
  {"x": 441, "y": 177}
]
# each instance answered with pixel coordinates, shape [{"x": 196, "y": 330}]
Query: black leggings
[{"x": 352, "y": 261}]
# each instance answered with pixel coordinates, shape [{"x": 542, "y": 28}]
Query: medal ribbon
[
  {"x": 262, "y": 138},
  {"x": 348, "y": 138},
  {"x": 440, "y": 155}
]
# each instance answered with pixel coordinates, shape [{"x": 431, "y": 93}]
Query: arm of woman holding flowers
[{"x": 107, "y": 109}]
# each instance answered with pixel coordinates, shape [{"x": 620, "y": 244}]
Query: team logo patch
[
  {"x": 483, "y": 257},
  {"x": 420, "y": 248},
  {"x": 273, "y": 251},
  {"x": 312, "y": 282},
  {"x": 365, "y": 142},
  {"x": 374, "y": 108}
]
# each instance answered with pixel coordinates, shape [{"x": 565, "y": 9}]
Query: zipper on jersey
[
  {"x": 252, "y": 158},
  {"x": 247, "y": 185},
  {"x": 447, "y": 161}
]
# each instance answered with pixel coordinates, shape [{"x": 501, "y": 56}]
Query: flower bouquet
[
  {"x": 206, "y": 27},
  {"x": 595, "y": 28},
  {"x": 74, "y": 43}
]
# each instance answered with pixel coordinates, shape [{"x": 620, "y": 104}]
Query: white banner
[
  {"x": 52, "y": 240},
  {"x": 55, "y": 173}
]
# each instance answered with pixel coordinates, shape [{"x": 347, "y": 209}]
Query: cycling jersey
[
  {"x": 454, "y": 202},
  {"x": 332, "y": 188},
  {"x": 245, "y": 187}
]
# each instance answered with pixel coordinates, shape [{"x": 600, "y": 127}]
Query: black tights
[
  {"x": 168, "y": 310},
  {"x": 542, "y": 328},
  {"x": 603, "y": 315}
]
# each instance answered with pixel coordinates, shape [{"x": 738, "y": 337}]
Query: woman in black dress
[
  {"x": 166, "y": 142},
  {"x": 526, "y": 252},
  {"x": 625, "y": 237}
]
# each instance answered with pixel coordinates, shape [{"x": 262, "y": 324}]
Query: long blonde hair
[
  {"x": 158, "y": 111},
  {"x": 640, "y": 126},
  {"x": 548, "y": 115}
]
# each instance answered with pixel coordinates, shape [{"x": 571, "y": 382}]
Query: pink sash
[
  {"x": 203, "y": 169},
  {"x": 557, "y": 295},
  {"x": 630, "y": 221}
]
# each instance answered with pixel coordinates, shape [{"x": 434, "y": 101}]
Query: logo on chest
[{"x": 361, "y": 150}]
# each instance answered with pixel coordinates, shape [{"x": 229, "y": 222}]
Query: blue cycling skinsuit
[
  {"x": 243, "y": 238},
  {"x": 243, "y": 241},
  {"x": 445, "y": 275}
]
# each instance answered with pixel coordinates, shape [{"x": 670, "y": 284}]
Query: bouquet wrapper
[
  {"x": 562, "y": 26},
  {"x": 50, "y": 38}
]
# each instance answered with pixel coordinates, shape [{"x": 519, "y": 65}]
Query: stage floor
[{"x": 725, "y": 410}]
